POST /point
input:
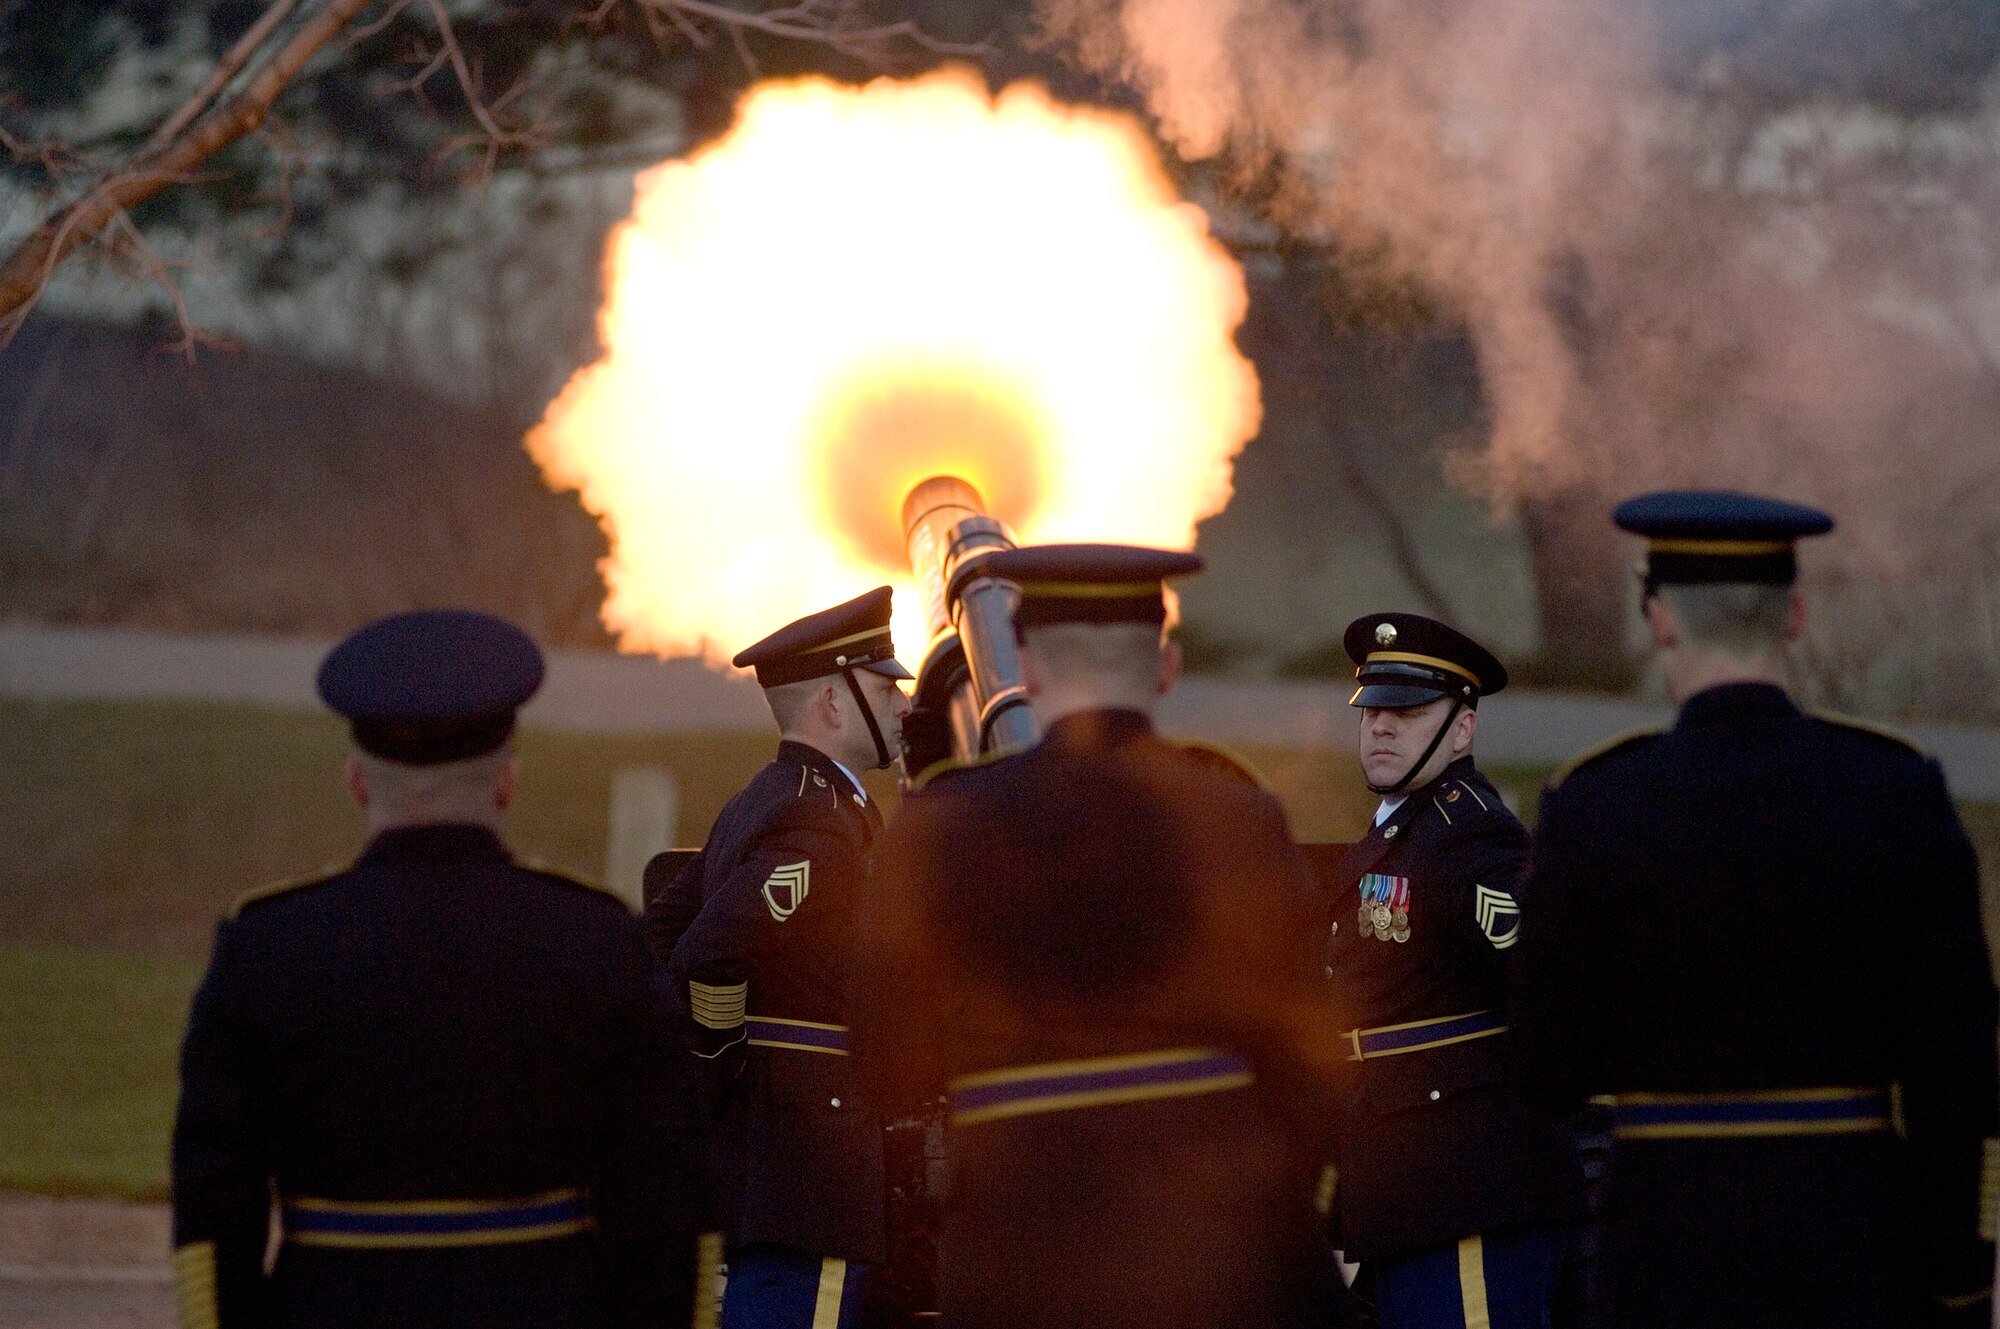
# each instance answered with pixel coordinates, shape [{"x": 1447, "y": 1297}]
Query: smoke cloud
[{"x": 1693, "y": 246}]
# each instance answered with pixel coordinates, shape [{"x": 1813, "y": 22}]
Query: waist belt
[
  {"x": 1059, "y": 1086},
  {"x": 798, "y": 1035},
  {"x": 1748, "y": 1113},
  {"x": 1421, "y": 1035},
  {"x": 410, "y": 1224}
]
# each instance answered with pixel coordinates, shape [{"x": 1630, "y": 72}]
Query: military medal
[{"x": 1385, "y": 906}]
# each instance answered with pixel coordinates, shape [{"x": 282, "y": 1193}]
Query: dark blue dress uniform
[
  {"x": 1448, "y": 1191},
  {"x": 1756, "y": 935},
  {"x": 760, "y": 930},
  {"x": 453, "y": 1074},
  {"x": 1102, "y": 950}
]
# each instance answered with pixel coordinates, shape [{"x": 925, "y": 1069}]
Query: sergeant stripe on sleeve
[
  {"x": 1498, "y": 914},
  {"x": 718, "y": 1006},
  {"x": 194, "y": 1284}
]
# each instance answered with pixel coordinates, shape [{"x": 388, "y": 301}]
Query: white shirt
[
  {"x": 1382, "y": 813},
  {"x": 861, "y": 793}
]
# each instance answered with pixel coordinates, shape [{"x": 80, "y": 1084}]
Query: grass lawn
[
  {"x": 88, "y": 1042},
  {"x": 131, "y": 826}
]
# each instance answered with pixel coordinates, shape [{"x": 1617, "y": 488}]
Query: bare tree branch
[
  {"x": 1396, "y": 535},
  {"x": 55, "y": 158},
  {"x": 824, "y": 23},
  {"x": 494, "y": 138},
  {"x": 208, "y": 121},
  {"x": 225, "y": 69},
  {"x": 26, "y": 271},
  {"x": 361, "y": 34}
]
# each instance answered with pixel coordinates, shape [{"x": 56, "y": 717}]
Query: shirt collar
[
  {"x": 812, "y": 758},
  {"x": 852, "y": 779}
]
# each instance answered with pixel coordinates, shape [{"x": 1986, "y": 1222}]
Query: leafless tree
[{"x": 239, "y": 93}]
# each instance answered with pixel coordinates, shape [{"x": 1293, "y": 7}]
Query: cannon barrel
[{"x": 969, "y": 696}]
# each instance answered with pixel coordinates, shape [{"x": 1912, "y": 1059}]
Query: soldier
[
  {"x": 1757, "y": 934},
  {"x": 1102, "y": 949},
  {"x": 453, "y": 1073},
  {"x": 1450, "y": 1196},
  {"x": 760, "y": 927}
]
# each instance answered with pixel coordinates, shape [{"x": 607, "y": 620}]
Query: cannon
[{"x": 969, "y": 698}]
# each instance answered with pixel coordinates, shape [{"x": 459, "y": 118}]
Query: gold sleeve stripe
[
  {"x": 1989, "y": 1191},
  {"x": 718, "y": 1007},
  {"x": 1329, "y": 1186},
  {"x": 194, "y": 1285},
  {"x": 708, "y": 1281}
]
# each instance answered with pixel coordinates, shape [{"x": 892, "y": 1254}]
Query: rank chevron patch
[
  {"x": 788, "y": 883},
  {"x": 1499, "y": 916}
]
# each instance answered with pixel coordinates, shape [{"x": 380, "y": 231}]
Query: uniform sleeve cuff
[
  {"x": 194, "y": 1284},
  {"x": 718, "y": 1006}
]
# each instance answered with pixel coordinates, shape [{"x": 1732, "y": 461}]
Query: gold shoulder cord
[
  {"x": 251, "y": 897},
  {"x": 1604, "y": 749},
  {"x": 1869, "y": 727}
]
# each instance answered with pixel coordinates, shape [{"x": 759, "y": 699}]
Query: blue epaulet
[
  {"x": 285, "y": 887},
  {"x": 1616, "y": 743},
  {"x": 1869, "y": 727}
]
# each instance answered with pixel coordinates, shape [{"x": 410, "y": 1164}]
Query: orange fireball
[{"x": 858, "y": 288}]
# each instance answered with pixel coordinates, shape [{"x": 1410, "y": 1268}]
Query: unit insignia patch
[
  {"x": 785, "y": 889},
  {"x": 1499, "y": 916}
]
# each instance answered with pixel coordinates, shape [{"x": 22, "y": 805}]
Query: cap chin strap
[
  {"x": 1388, "y": 790},
  {"x": 882, "y": 755}
]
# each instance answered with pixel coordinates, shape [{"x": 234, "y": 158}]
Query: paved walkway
[
  {"x": 593, "y": 692},
  {"x": 84, "y": 1264}
]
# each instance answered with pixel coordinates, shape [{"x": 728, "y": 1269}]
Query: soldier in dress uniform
[
  {"x": 1449, "y": 1194},
  {"x": 452, "y": 1074},
  {"x": 1756, "y": 934},
  {"x": 1102, "y": 950},
  {"x": 760, "y": 928}
]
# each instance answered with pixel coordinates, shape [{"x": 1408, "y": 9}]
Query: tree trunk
[{"x": 1582, "y": 576}]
